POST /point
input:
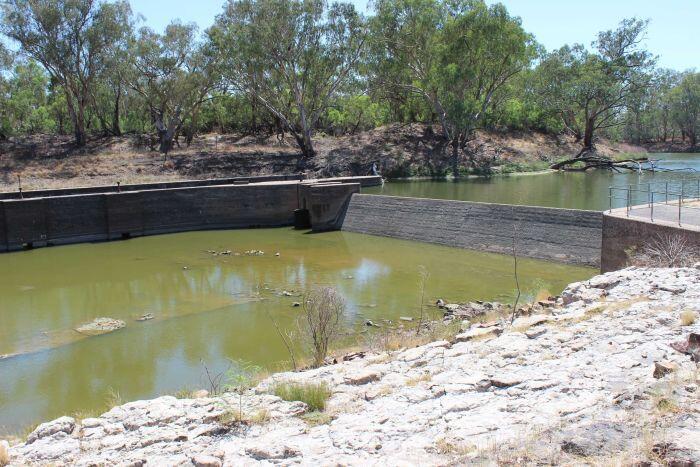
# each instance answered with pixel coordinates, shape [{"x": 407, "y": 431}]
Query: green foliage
[
  {"x": 457, "y": 55},
  {"x": 350, "y": 114},
  {"x": 315, "y": 395},
  {"x": 590, "y": 90},
  {"x": 302, "y": 66},
  {"x": 289, "y": 56},
  {"x": 685, "y": 106}
]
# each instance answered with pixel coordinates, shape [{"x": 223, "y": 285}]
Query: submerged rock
[{"x": 100, "y": 326}]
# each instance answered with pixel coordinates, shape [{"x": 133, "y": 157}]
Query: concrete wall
[
  {"x": 326, "y": 203},
  {"x": 75, "y": 216},
  {"x": 623, "y": 235},
  {"x": 567, "y": 235},
  {"x": 370, "y": 180}
]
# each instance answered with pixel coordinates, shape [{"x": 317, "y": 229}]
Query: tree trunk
[
  {"x": 588, "y": 135},
  {"x": 116, "y": 128},
  {"x": 454, "y": 160},
  {"x": 78, "y": 119}
]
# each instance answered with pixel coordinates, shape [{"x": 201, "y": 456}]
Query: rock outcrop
[{"x": 579, "y": 385}]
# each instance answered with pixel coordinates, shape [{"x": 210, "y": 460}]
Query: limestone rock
[
  {"x": 361, "y": 377},
  {"x": 664, "y": 368},
  {"x": 203, "y": 460},
  {"x": 100, "y": 326},
  {"x": 60, "y": 425}
]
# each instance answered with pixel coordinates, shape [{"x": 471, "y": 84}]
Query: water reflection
[
  {"x": 206, "y": 308},
  {"x": 573, "y": 190}
]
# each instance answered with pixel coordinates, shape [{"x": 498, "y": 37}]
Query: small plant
[
  {"x": 316, "y": 418},
  {"x": 688, "y": 317},
  {"x": 315, "y": 395},
  {"x": 113, "y": 398},
  {"x": 215, "y": 380},
  {"x": 323, "y": 308},
  {"x": 239, "y": 381},
  {"x": 423, "y": 276}
]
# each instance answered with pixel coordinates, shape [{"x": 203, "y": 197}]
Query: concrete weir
[
  {"x": 565, "y": 235},
  {"x": 53, "y": 217}
]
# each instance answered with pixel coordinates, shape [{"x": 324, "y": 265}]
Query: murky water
[
  {"x": 565, "y": 190},
  {"x": 207, "y": 308}
]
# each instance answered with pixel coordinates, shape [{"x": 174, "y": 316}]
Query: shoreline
[{"x": 447, "y": 401}]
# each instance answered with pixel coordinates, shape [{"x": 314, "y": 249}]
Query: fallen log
[{"x": 598, "y": 162}]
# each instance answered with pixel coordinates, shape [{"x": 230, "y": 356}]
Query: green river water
[{"x": 211, "y": 309}]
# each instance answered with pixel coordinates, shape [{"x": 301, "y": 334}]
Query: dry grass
[
  {"x": 423, "y": 378},
  {"x": 317, "y": 418},
  {"x": 446, "y": 447},
  {"x": 4, "y": 455},
  {"x": 260, "y": 417},
  {"x": 688, "y": 317}
]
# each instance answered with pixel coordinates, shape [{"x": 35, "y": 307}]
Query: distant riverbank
[{"x": 398, "y": 150}]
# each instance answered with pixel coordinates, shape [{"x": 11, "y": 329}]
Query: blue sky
[{"x": 674, "y": 33}]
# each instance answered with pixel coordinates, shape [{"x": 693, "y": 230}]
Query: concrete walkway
[{"x": 664, "y": 213}]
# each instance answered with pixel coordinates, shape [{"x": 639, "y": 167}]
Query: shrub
[
  {"x": 322, "y": 309},
  {"x": 314, "y": 395},
  {"x": 687, "y": 317},
  {"x": 666, "y": 251}
]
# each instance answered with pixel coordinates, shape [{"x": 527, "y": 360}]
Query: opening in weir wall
[{"x": 566, "y": 235}]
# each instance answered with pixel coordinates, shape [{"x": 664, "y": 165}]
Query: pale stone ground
[{"x": 576, "y": 387}]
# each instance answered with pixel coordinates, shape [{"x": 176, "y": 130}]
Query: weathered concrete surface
[
  {"x": 364, "y": 181},
  {"x": 579, "y": 391},
  {"x": 567, "y": 235},
  {"x": 77, "y": 217},
  {"x": 326, "y": 203},
  {"x": 623, "y": 235}
]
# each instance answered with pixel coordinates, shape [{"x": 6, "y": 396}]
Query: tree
[
  {"x": 72, "y": 39},
  {"x": 289, "y": 56},
  {"x": 457, "y": 55},
  {"x": 589, "y": 90},
  {"x": 174, "y": 75},
  {"x": 5, "y": 64},
  {"x": 27, "y": 111},
  {"x": 685, "y": 106}
]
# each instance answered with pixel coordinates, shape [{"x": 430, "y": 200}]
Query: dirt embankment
[{"x": 399, "y": 151}]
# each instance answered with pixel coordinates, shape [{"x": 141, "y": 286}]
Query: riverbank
[
  {"x": 45, "y": 162},
  {"x": 597, "y": 377}
]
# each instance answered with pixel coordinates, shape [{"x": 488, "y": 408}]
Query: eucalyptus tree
[
  {"x": 5, "y": 64},
  {"x": 290, "y": 56},
  {"x": 685, "y": 106},
  {"x": 590, "y": 89},
  {"x": 458, "y": 55},
  {"x": 72, "y": 39},
  {"x": 174, "y": 74}
]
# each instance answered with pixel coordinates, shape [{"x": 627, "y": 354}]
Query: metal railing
[{"x": 666, "y": 199}]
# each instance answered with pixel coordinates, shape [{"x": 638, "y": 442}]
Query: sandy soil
[{"x": 399, "y": 150}]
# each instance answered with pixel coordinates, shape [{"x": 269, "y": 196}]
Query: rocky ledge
[{"x": 607, "y": 376}]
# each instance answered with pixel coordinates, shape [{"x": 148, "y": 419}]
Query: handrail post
[
  {"x": 629, "y": 199},
  {"x": 680, "y": 203},
  {"x": 610, "y": 195},
  {"x": 666, "y": 191},
  {"x": 652, "y": 206}
]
